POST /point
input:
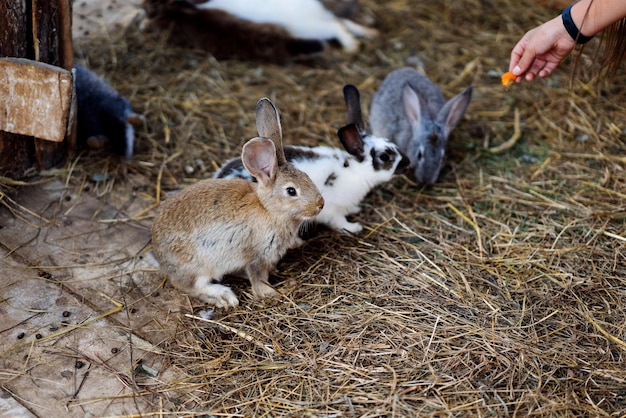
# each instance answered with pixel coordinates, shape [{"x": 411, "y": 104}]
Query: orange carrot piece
[{"x": 508, "y": 79}]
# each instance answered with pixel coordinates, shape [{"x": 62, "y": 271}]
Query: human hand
[{"x": 540, "y": 50}]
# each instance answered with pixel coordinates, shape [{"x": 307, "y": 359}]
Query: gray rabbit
[{"x": 410, "y": 110}]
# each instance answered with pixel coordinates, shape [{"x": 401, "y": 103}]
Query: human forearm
[{"x": 599, "y": 14}]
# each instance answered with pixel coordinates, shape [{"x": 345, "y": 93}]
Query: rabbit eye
[
  {"x": 384, "y": 157},
  {"x": 291, "y": 191}
]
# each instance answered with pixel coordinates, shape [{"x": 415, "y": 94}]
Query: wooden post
[{"x": 38, "y": 30}]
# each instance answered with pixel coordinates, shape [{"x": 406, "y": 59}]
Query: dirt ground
[{"x": 498, "y": 291}]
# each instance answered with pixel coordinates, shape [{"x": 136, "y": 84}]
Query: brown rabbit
[{"x": 217, "y": 226}]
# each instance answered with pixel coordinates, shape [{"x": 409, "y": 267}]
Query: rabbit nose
[{"x": 320, "y": 202}]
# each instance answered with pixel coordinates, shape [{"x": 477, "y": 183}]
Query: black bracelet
[{"x": 571, "y": 28}]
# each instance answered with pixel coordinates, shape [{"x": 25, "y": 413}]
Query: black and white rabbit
[
  {"x": 268, "y": 30},
  {"x": 344, "y": 177},
  {"x": 409, "y": 109}
]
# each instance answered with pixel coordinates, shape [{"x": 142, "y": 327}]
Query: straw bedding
[{"x": 498, "y": 291}]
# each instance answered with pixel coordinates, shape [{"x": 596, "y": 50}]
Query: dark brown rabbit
[{"x": 277, "y": 31}]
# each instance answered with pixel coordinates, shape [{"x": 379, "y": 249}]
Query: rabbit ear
[
  {"x": 353, "y": 103},
  {"x": 259, "y": 158},
  {"x": 412, "y": 105},
  {"x": 452, "y": 112},
  {"x": 352, "y": 141},
  {"x": 268, "y": 126}
]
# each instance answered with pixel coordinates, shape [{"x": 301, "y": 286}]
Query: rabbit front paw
[
  {"x": 220, "y": 296},
  {"x": 352, "y": 227},
  {"x": 263, "y": 290},
  {"x": 343, "y": 225}
]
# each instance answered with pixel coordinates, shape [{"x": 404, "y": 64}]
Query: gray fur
[{"x": 410, "y": 110}]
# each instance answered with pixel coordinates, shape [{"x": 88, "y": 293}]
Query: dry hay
[{"x": 498, "y": 291}]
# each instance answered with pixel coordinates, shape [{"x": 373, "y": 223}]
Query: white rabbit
[
  {"x": 343, "y": 177},
  {"x": 410, "y": 110},
  {"x": 217, "y": 227}
]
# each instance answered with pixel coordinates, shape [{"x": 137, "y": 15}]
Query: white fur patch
[
  {"x": 307, "y": 19},
  {"x": 151, "y": 260},
  {"x": 214, "y": 293},
  {"x": 130, "y": 141}
]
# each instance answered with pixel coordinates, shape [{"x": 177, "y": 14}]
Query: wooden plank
[
  {"x": 10, "y": 407},
  {"x": 93, "y": 256},
  {"x": 60, "y": 358},
  {"x": 35, "y": 99},
  {"x": 104, "y": 17},
  {"x": 59, "y": 253}
]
